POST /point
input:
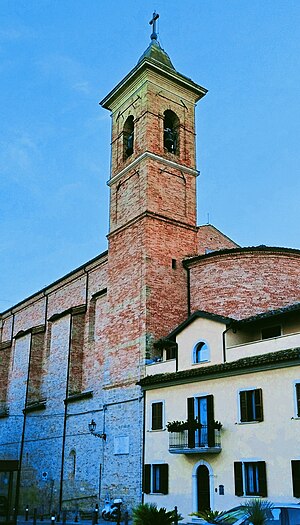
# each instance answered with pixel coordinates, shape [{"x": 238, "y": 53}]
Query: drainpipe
[
  {"x": 18, "y": 480},
  {"x": 188, "y": 282},
  {"x": 143, "y": 440},
  {"x": 65, "y": 422},
  {"x": 224, "y": 341}
]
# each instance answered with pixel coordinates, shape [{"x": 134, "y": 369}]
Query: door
[
  {"x": 8, "y": 474},
  {"x": 201, "y": 415},
  {"x": 203, "y": 492}
]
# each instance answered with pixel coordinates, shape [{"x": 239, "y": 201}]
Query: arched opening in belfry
[
  {"x": 171, "y": 132},
  {"x": 128, "y": 137}
]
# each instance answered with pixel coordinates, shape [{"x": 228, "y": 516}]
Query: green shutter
[
  {"x": 238, "y": 478},
  {"x": 296, "y": 478},
  {"x": 157, "y": 410},
  {"x": 191, "y": 417},
  {"x": 243, "y": 406},
  {"x": 258, "y": 404},
  {"x": 262, "y": 479},
  {"x": 147, "y": 479},
  {"x": 298, "y": 398},
  {"x": 210, "y": 421},
  {"x": 164, "y": 472}
]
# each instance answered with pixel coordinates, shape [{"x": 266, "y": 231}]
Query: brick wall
[
  {"x": 210, "y": 238},
  {"x": 245, "y": 282}
]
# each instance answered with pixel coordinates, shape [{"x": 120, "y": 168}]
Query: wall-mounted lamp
[{"x": 92, "y": 429}]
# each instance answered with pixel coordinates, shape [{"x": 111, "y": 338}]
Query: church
[{"x": 96, "y": 366}]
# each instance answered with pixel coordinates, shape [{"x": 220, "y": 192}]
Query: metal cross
[{"x": 153, "y": 23}]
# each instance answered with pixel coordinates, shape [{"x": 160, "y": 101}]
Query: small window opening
[
  {"x": 271, "y": 331},
  {"x": 72, "y": 464},
  {"x": 174, "y": 264},
  {"x": 171, "y": 127},
  {"x": 201, "y": 352},
  {"x": 171, "y": 352},
  {"x": 128, "y": 137}
]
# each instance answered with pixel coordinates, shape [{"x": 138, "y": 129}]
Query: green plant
[
  {"x": 257, "y": 510},
  {"x": 208, "y": 515},
  {"x": 180, "y": 426},
  {"x": 218, "y": 425},
  {"x": 149, "y": 514}
]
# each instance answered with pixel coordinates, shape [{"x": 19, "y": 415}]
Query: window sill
[
  {"x": 35, "y": 406},
  {"x": 73, "y": 398},
  {"x": 248, "y": 422}
]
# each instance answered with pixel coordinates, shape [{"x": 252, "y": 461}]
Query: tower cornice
[
  {"x": 152, "y": 156},
  {"x": 160, "y": 68}
]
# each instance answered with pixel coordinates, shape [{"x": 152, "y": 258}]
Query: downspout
[
  {"x": 143, "y": 441},
  {"x": 65, "y": 421},
  {"x": 188, "y": 283},
  {"x": 224, "y": 341},
  {"x": 18, "y": 480}
]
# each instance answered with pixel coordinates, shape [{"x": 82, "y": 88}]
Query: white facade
[{"x": 254, "y": 395}]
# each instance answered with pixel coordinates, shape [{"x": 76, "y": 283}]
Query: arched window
[
  {"x": 171, "y": 132},
  {"x": 128, "y": 137},
  {"x": 72, "y": 464},
  {"x": 201, "y": 352}
]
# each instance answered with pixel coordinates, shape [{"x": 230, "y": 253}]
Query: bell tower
[
  {"x": 152, "y": 228},
  {"x": 152, "y": 198}
]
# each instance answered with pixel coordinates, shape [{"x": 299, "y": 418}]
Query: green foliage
[
  {"x": 257, "y": 510},
  {"x": 208, "y": 515},
  {"x": 180, "y": 426},
  {"x": 149, "y": 514},
  {"x": 218, "y": 425}
]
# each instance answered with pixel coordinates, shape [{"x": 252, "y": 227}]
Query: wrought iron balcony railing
[{"x": 195, "y": 442}]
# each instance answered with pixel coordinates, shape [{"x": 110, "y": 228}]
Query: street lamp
[{"x": 92, "y": 429}]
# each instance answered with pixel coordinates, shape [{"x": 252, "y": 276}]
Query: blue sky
[{"x": 59, "y": 58}]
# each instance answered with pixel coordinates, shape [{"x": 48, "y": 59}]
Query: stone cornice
[{"x": 152, "y": 156}]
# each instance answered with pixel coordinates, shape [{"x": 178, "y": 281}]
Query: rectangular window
[
  {"x": 271, "y": 331},
  {"x": 251, "y": 408},
  {"x": 156, "y": 478},
  {"x": 250, "y": 478},
  {"x": 296, "y": 477},
  {"x": 297, "y": 388},
  {"x": 157, "y": 416},
  {"x": 171, "y": 352}
]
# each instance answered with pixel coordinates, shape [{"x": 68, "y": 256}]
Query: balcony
[{"x": 195, "y": 442}]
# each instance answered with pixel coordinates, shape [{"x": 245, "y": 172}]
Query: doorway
[
  {"x": 203, "y": 488},
  {"x": 8, "y": 474}
]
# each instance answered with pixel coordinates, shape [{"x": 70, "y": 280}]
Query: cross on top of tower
[{"x": 153, "y": 23}]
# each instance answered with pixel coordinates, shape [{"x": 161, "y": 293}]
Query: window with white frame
[
  {"x": 156, "y": 478},
  {"x": 251, "y": 405},
  {"x": 295, "y": 464},
  {"x": 250, "y": 478},
  {"x": 157, "y": 410},
  {"x": 201, "y": 352}
]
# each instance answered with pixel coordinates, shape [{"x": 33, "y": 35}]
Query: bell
[
  {"x": 129, "y": 149},
  {"x": 169, "y": 140}
]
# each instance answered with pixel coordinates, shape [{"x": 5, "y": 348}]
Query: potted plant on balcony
[
  {"x": 218, "y": 425},
  {"x": 180, "y": 426}
]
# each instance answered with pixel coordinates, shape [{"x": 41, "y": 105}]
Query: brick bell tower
[
  {"x": 152, "y": 228},
  {"x": 152, "y": 203}
]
